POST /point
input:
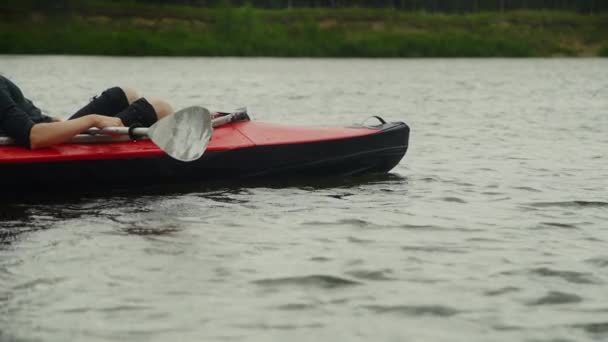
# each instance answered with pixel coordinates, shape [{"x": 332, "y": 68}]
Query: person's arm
[
  {"x": 18, "y": 125},
  {"x": 52, "y": 133}
]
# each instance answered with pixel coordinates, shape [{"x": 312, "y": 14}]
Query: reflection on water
[
  {"x": 490, "y": 229},
  {"x": 40, "y": 210}
]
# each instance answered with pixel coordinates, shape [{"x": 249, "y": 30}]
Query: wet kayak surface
[{"x": 491, "y": 229}]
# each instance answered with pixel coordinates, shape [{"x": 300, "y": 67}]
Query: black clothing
[
  {"x": 114, "y": 102},
  {"x": 109, "y": 103},
  {"x": 140, "y": 113},
  {"x": 17, "y": 114}
]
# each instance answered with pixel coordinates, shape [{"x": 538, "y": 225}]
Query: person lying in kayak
[{"x": 21, "y": 120}]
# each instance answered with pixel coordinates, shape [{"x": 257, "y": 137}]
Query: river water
[{"x": 493, "y": 227}]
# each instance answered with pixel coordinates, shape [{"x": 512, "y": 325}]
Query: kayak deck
[{"x": 227, "y": 137}]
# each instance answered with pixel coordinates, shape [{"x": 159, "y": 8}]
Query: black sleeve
[{"x": 13, "y": 121}]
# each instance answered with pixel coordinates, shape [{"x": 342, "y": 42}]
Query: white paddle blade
[{"x": 183, "y": 135}]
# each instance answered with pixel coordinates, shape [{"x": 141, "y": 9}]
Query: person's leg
[
  {"x": 131, "y": 94},
  {"x": 144, "y": 113},
  {"x": 161, "y": 107},
  {"x": 109, "y": 103},
  {"x": 126, "y": 104}
]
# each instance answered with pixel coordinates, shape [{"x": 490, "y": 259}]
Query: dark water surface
[{"x": 493, "y": 228}]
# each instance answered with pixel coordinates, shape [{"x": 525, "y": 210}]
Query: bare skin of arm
[{"x": 52, "y": 133}]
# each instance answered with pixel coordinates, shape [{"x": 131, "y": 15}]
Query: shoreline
[
  {"x": 343, "y": 33},
  {"x": 549, "y": 58}
]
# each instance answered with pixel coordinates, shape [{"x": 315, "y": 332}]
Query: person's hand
[{"x": 102, "y": 121}]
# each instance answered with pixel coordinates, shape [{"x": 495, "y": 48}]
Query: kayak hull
[{"x": 243, "y": 151}]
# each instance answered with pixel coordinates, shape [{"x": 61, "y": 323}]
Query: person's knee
[
  {"x": 161, "y": 108},
  {"x": 131, "y": 94}
]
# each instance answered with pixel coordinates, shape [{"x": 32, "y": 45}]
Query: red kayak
[{"x": 246, "y": 149}]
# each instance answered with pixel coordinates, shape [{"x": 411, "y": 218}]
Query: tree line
[
  {"x": 433, "y": 6},
  {"x": 442, "y": 6}
]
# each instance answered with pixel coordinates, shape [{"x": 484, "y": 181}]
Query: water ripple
[
  {"x": 50, "y": 281},
  {"x": 569, "y": 276},
  {"x": 600, "y": 328},
  {"x": 264, "y": 326},
  {"x": 598, "y": 261},
  {"x": 409, "y": 310},
  {"x": 556, "y": 297},
  {"x": 502, "y": 290},
  {"x": 527, "y": 188},
  {"x": 384, "y": 274},
  {"x": 361, "y": 241},
  {"x": 435, "y": 249},
  {"x": 453, "y": 199},
  {"x": 319, "y": 281},
  {"x": 109, "y": 309},
  {"x": 571, "y": 204},
  {"x": 560, "y": 225},
  {"x": 296, "y": 306}
]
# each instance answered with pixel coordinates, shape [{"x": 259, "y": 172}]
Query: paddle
[
  {"x": 186, "y": 135},
  {"x": 183, "y": 136}
]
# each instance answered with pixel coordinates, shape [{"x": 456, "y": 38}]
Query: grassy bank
[{"x": 103, "y": 28}]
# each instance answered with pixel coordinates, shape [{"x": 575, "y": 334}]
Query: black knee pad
[
  {"x": 114, "y": 100},
  {"x": 140, "y": 113}
]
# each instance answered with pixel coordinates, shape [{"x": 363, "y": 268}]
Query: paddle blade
[{"x": 183, "y": 135}]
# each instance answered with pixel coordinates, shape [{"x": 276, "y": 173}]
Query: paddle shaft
[
  {"x": 143, "y": 131},
  {"x": 117, "y": 131}
]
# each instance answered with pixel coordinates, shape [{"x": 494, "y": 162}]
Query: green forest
[
  {"x": 444, "y": 6},
  {"x": 298, "y": 28}
]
